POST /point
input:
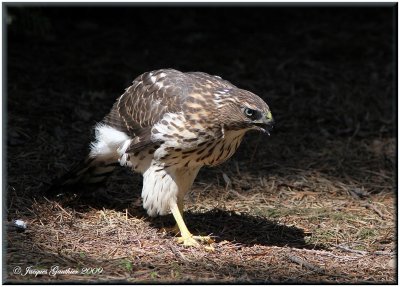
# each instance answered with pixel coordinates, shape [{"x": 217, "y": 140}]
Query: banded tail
[{"x": 91, "y": 170}]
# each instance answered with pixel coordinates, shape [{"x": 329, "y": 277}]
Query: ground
[{"x": 312, "y": 203}]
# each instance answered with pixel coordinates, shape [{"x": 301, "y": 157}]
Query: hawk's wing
[
  {"x": 145, "y": 102},
  {"x": 151, "y": 96}
]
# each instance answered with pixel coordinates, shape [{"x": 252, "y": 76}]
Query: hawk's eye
[{"x": 250, "y": 113}]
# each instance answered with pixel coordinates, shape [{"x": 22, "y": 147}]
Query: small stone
[{"x": 20, "y": 224}]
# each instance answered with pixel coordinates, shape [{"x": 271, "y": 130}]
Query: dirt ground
[{"x": 313, "y": 203}]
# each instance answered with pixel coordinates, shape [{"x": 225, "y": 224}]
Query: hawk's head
[{"x": 243, "y": 110}]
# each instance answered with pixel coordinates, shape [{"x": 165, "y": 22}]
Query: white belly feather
[{"x": 162, "y": 186}]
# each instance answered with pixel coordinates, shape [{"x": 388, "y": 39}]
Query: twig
[
  {"x": 365, "y": 252},
  {"x": 59, "y": 206},
  {"x": 377, "y": 173},
  {"x": 238, "y": 194},
  {"x": 384, "y": 253},
  {"x": 227, "y": 181},
  {"x": 351, "y": 250},
  {"x": 177, "y": 253},
  {"x": 373, "y": 207},
  {"x": 306, "y": 264}
]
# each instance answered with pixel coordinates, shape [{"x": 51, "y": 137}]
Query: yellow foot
[
  {"x": 196, "y": 241},
  {"x": 203, "y": 239}
]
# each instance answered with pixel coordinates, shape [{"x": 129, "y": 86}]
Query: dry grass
[
  {"x": 314, "y": 203},
  {"x": 270, "y": 234}
]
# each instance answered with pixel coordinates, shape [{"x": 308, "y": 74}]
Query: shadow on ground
[
  {"x": 244, "y": 229},
  {"x": 222, "y": 225}
]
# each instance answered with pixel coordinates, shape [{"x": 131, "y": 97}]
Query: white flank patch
[
  {"x": 163, "y": 187},
  {"x": 108, "y": 141}
]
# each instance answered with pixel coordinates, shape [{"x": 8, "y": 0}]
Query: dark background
[{"x": 328, "y": 74}]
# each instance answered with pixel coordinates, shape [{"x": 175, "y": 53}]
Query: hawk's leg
[
  {"x": 186, "y": 238},
  {"x": 175, "y": 229}
]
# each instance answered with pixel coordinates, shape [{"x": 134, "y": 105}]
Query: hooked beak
[{"x": 266, "y": 123}]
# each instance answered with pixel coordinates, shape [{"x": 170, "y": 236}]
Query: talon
[
  {"x": 209, "y": 248},
  {"x": 204, "y": 239},
  {"x": 188, "y": 241},
  {"x": 191, "y": 240},
  {"x": 186, "y": 238}
]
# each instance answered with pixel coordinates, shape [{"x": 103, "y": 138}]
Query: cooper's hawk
[{"x": 166, "y": 126}]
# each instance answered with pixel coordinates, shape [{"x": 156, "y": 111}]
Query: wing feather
[
  {"x": 145, "y": 102},
  {"x": 154, "y": 94}
]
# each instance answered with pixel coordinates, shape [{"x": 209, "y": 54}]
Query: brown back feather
[{"x": 153, "y": 94}]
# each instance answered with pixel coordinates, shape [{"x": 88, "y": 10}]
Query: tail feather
[{"x": 89, "y": 170}]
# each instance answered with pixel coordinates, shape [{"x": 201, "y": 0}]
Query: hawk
[{"x": 166, "y": 126}]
